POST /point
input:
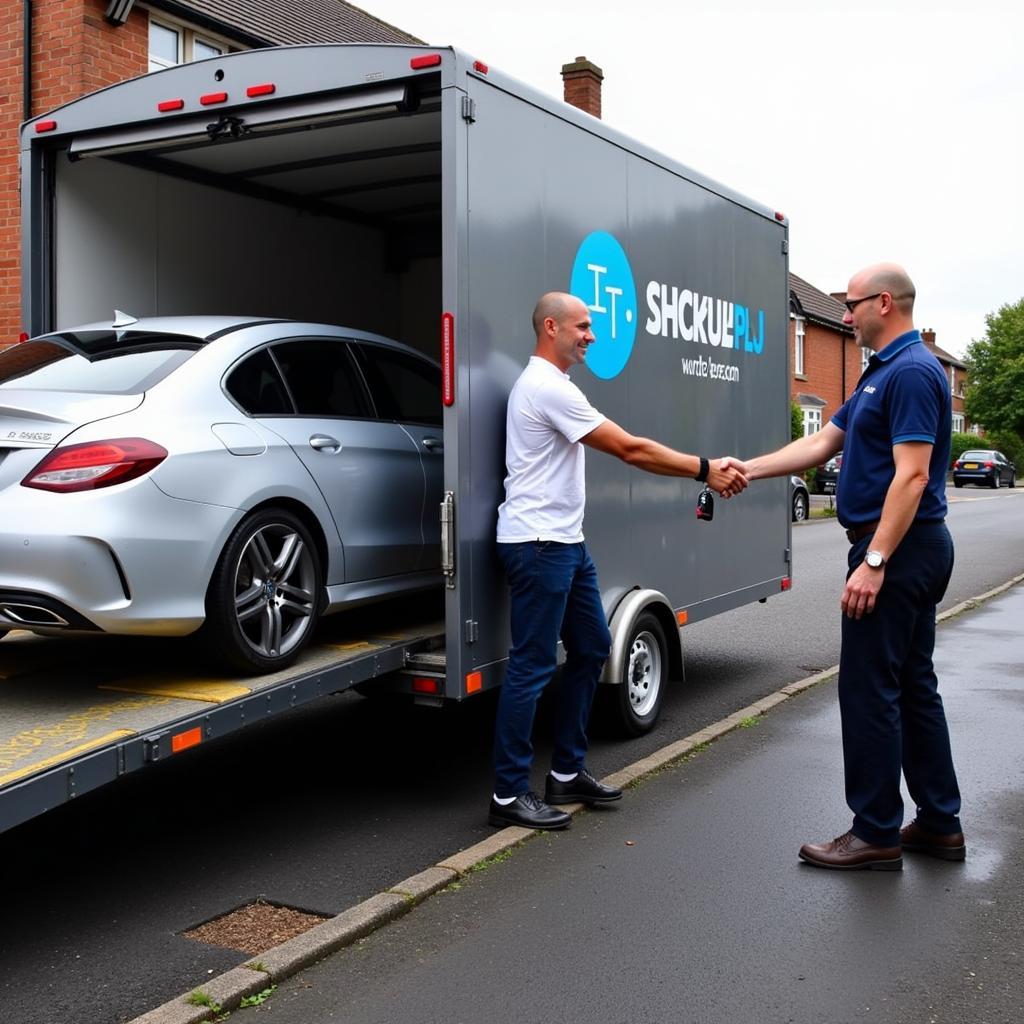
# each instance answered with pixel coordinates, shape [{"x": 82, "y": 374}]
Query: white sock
[
  {"x": 562, "y": 777},
  {"x": 504, "y": 801}
]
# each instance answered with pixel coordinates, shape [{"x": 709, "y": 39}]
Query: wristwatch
[{"x": 874, "y": 559}]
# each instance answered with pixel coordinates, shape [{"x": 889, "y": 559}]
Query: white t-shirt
[{"x": 545, "y": 489}]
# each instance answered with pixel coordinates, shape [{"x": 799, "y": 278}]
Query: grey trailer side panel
[{"x": 539, "y": 186}]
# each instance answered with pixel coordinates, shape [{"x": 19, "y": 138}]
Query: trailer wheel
[
  {"x": 636, "y": 701},
  {"x": 264, "y": 596}
]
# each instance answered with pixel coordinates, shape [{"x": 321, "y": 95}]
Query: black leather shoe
[
  {"x": 529, "y": 811},
  {"x": 584, "y": 789}
]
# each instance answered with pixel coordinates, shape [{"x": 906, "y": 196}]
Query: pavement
[{"x": 686, "y": 901}]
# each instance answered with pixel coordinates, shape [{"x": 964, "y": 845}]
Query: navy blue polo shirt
[{"x": 903, "y": 395}]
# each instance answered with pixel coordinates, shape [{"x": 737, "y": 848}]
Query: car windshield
[
  {"x": 976, "y": 456},
  {"x": 94, "y": 362}
]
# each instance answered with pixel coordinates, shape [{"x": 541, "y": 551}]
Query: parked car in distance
[
  {"x": 238, "y": 476},
  {"x": 826, "y": 476},
  {"x": 800, "y": 499},
  {"x": 984, "y": 466}
]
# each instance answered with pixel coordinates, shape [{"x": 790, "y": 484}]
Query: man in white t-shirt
[{"x": 552, "y": 579}]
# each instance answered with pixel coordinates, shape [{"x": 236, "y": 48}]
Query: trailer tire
[
  {"x": 264, "y": 597},
  {"x": 635, "y": 701}
]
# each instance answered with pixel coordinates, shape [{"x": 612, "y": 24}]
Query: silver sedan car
[{"x": 239, "y": 476}]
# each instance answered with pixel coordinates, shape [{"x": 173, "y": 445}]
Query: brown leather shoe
[
  {"x": 848, "y": 853},
  {"x": 951, "y": 847}
]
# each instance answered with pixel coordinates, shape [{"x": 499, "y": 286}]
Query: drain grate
[{"x": 254, "y": 928}]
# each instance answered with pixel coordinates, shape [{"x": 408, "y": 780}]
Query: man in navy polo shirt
[{"x": 894, "y": 432}]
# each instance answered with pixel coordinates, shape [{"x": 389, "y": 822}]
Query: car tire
[
  {"x": 997, "y": 481},
  {"x": 801, "y": 507},
  {"x": 635, "y": 702},
  {"x": 1013, "y": 480},
  {"x": 958, "y": 483},
  {"x": 264, "y": 597}
]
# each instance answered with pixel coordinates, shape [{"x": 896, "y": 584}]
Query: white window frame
[
  {"x": 958, "y": 423},
  {"x": 812, "y": 419},
  {"x": 952, "y": 379},
  {"x": 798, "y": 345},
  {"x": 188, "y": 36}
]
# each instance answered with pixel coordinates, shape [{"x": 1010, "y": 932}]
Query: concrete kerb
[{"x": 228, "y": 990}]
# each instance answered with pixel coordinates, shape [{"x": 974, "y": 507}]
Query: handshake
[{"x": 727, "y": 476}]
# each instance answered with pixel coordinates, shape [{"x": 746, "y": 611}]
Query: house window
[
  {"x": 958, "y": 423},
  {"x": 172, "y": 43},
  {"x": 976, "y": 429},
  {"x": 865, "y": 357},
  {"x": 952, "y": 379},
  {"x": 812, "y": 420},
  {"x": 798, "y": 345}
]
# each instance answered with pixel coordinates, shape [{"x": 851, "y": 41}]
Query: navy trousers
[
  {"x": 553, "y": 593},
  {"x": 892, "y": 714}
]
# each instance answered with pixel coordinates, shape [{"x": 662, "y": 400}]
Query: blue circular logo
[{"x": 603, "y": 279}]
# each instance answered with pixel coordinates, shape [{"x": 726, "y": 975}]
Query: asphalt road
[{"x": 322, "y": 808}]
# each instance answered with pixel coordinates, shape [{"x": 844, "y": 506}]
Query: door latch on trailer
[
  {"x": 448, "y": 539},
  {"x": 468, "y": 109}
]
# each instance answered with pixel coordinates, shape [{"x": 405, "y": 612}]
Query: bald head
[
  {"x": 886, "y": 277},
  {"x": 557, "y": 305}
]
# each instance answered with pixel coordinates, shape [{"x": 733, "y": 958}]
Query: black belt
[{"x": 856, "y": 533}]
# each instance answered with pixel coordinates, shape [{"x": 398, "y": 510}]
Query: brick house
[
  {"x": 78, "y": 46},
  {"x": 825, "y": 361}
]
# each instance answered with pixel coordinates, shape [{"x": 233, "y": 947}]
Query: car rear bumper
[{"x": 138, "y": 562}]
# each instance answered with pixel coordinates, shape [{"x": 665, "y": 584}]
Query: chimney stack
[
  {"x": 582, "y": 85},
  {"x": 928, "y": 336}
]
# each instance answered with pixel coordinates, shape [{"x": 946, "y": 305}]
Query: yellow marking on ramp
[
  {"x": 355, "y": 646},
  {"x": 27, "y": 742},
  {"x": 209, "y": 691}
]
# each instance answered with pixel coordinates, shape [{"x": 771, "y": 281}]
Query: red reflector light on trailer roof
[
  {"x": 266, "y": 89},
  {"x": 164, "y": 105},
  {"x": 447, "y": 358},
  {"x": 213, "y": 97},
  {"x": 45, "y": 126},
  {"x": 779, "y": 216},
  {"x": 184, "y": 740},
  {"x": 787, "y": 583},
  {"x": 479, "y": 65},
  {"x": 428, "y": 60}
]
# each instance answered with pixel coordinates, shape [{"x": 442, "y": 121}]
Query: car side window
[
  {"x": 323, "y": 378},
  {"x": 256, "y": 386},
  {"x": 404, "y": 388}
]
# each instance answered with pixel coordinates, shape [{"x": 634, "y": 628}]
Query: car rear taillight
[
  {"x": 85, "y": 467},
  {"x": 989, "y": 465}
]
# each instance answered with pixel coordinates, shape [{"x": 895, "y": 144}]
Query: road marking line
[
  {"x": 67, "y": 755},
  {"x": 209, "y": 691}
]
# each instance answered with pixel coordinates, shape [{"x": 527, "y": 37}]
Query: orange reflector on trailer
[
  {"x": 447, "y": 358},
  {"x": 164, "y": 105},
  {"x": 45, "y": 126},
  {"x": 184, "y": 740},
  {"x": 474, "y": 682},
  {"x": 428, "y": 60},
  {"x": 787, "y": 583},
  {"x": 264, "y": 89},
  {"x": 425, "y": 684},
  {"x": 682, "y": 618},
  {"x": 213, "y": 97}
]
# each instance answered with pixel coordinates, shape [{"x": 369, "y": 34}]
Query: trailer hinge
[
  {"x": 468, "y": 109},
  {"x": 787, "y": 555},
  {"x": 472, "y": 631},
  {"x": 785, "y": 246},
  {"x": 448, "y": 539}
]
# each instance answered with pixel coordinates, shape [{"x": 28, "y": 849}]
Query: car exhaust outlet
[{"x": 31, "y": 615}]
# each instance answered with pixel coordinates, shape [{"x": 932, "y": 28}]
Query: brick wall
[
  {"x": 74, "y": 51},
  {"x": 826, "y": 353}
]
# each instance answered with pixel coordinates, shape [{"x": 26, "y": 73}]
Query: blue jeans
[
  {"x": 553, "y": 589},
  {"x": 892, "y": 714}
]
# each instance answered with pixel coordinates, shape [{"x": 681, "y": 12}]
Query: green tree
[
  {"x": 995, "y": 390},
  {"x": 796, "y": 421},
  {"x": 963, "y": 442}
]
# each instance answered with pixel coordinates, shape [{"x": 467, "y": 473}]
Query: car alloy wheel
[
  {"x": 264, "y": 597},
  {"x": 799, "y": 507}
]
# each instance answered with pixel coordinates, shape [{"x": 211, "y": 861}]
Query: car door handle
[
  {"x": 325, "y": 443},
  {"x": 433, "y": 444}
]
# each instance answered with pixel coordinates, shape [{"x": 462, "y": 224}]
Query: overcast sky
[{"x": 884, "y": 131}]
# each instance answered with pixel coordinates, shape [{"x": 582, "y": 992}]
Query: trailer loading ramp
[{"x": 66, "y": 730}]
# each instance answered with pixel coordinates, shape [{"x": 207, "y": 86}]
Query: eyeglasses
[{"x": 852, "y": 304}]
